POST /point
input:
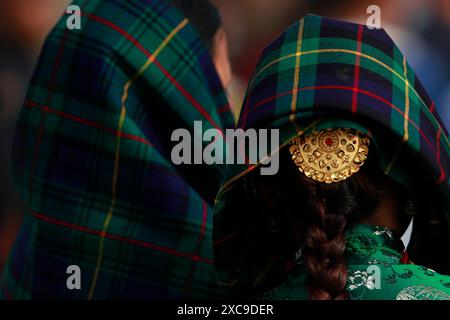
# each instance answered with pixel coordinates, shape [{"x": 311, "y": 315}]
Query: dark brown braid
[
  {"x": 329, "y": 210},
  {"x": 324, "y": 250}
]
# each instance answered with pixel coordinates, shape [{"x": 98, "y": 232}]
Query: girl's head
[
  {"x": 304, "y": 81},
  {"x": 318, "y": 215},
  {"x": 205, "y": 17}
]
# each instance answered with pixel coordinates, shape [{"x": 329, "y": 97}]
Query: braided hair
[
  {"x": 318, "y": 215},
  {"x": 328, "y": 211},
  {"x": 314, "y": 217}
]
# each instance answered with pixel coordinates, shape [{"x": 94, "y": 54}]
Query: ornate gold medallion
[{"x": 331, "y": 155}]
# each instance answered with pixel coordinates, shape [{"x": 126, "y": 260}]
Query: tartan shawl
[
  {"x": 92, "y": 159},
  {"x": 323, "y": 73}
]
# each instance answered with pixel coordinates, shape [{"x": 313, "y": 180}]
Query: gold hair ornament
[{"x": 330, "y": 155}]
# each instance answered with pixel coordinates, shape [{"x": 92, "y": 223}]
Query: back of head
[
  {"x": 322, "y": 213},
  {"x": 304, "y": 83}
]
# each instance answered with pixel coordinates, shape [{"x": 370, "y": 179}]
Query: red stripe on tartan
[
  {"x": 225, "y": 108},
  {"x": 120, "y": 238},
  {"x": 47, "y": 109},
  {"x": 432, "y": 107},
  {"x": 188, "y": 96},
  {"x": 365, "y": 92},
  {"x": 357, "y": 70},
  {"x": 136, "y": 43},
  {"x": 198, "y": 246},
  {"x": 116, "y": 28},
  {"x": 438, "y": 156}
]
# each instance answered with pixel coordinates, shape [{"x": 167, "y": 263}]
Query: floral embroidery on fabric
[
  {"x": 384, "y": 232},
  {"x": 421, "y": 292},
  {"x": 360, "y": 278}
]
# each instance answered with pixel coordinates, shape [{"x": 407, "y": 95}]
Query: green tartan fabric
[
  {"x": 92, "y": 159},
  {"x": 323, "y": 73}
]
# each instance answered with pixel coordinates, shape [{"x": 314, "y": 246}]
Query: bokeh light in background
[{"x": 421, "y": 28}]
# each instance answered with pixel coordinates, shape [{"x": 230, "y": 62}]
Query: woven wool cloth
[{"x": 92, "y": 159}]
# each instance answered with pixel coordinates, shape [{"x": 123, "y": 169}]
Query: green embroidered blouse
[{"x": 374, "y": 271}]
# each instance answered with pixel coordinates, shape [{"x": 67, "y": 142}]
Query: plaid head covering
[
  {"x": 319, "y": 74},
  {"x": 92, "y": 159}
]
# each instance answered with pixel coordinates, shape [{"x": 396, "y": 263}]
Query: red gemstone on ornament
[{"x": 328, "y": 141}]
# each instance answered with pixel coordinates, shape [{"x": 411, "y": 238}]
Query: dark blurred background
[{"x": 421, "y": 28}]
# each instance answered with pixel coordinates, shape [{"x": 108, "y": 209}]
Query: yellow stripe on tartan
[
  {"x": 336, "y": 50},
  {"x": 296, "y": 77},
  {"x": 329, "y": 50},
  {"x": 122, "y": 117},
  {"x": 405, "y": 121}
]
